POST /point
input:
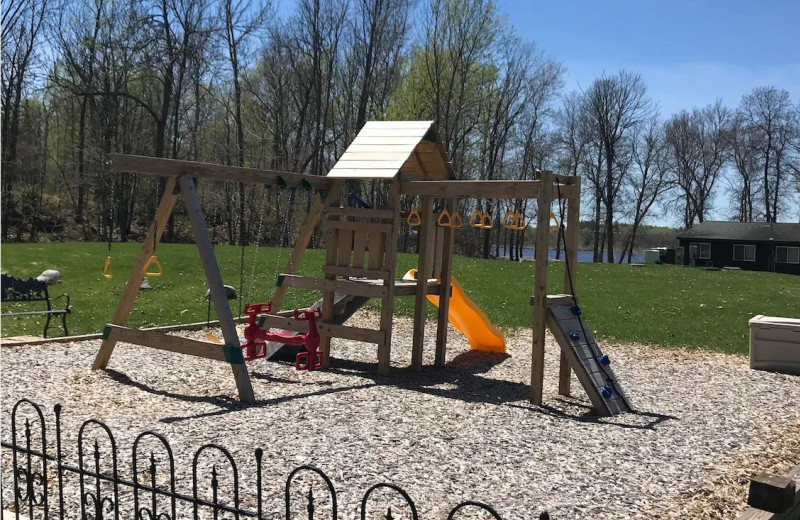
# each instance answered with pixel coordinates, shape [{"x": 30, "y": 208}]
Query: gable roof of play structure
[
  {"x": 745, "y": 231},
  {"x": 385, "y": 149}
]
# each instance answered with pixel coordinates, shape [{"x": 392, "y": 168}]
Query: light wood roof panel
[
  {"x": 381, "y": 147},
  {"x": 399, "y": 124}
]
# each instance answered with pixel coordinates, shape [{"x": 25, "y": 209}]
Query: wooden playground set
[{"x": 360, "y": 263}]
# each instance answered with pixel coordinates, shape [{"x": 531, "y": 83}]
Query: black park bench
[{"x": 16, "y": 290}]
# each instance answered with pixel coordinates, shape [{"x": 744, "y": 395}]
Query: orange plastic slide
[{"x": 469, "y": 319}]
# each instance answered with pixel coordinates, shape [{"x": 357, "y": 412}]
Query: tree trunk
[
  {"x": 596, "y": 251},
  {"x": 610, "y": 204}
]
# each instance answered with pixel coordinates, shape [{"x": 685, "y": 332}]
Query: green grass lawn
[{"x": 664, "y": 305}]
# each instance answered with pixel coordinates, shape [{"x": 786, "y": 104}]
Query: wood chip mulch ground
[{"x": 705, "y": 423}]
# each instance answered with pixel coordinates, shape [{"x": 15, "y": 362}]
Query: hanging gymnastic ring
[
  {"x": 108, "y": 270},
  {"x": 153, "y": 262},
  {"x": 414, "y": 218},
  {"x": 444, "y": 218},
  {"x": 476, "y": 219},
  {"x": 509, "y": 221},
  {"x": 455, "y": 220}
]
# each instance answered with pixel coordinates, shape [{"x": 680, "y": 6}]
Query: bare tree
[
  {"x": 745, "y": 185},
  {"x": 615, "y": 105},
  {"x": 23, "y": 24},
  {"x": 240, "y": 20},
  {"x": 698, "y": 147},
  {"x": 648, "y": 177},
  {"x": 768, "y": 112},
  {"x": 458, "y": 38}
]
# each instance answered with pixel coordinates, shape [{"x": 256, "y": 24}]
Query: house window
[
  {"x": 744, "y": 252},
  {"x": 703, "y": 250},
  {"x": 787, "y": 255}
]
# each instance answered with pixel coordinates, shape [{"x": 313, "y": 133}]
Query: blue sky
[{"x": 689, "y": 53}]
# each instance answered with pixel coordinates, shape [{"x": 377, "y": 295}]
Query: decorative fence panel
[{"x": 45, "y": 485}]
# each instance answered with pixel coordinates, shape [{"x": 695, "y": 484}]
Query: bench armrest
[{"x": 66, "y": 308}]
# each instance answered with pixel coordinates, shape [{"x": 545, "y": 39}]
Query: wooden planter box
[{"x": 775, "y": 344}]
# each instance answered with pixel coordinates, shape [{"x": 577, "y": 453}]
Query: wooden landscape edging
[{"x": 771, "y": 497}]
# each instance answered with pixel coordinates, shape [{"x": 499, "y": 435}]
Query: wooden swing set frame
[{"x": 351, "y": 233}]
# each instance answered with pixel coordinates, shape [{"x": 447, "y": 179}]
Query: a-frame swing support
[
  {"x": 231, "y": 351},
  {"x": 350, "y": 233},
  {"x": 180, "y": 182}
]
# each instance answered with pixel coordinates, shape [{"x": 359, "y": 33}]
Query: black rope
[{"x": 576, "y": 309}]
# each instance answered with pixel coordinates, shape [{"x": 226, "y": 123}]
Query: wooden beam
[
  {"x": 484, "y": 189},
  {"x": 331, "y": 244},
  {"x": 354, "y": 272},
  {"x": 570, "y": 274},
  {"x": 131, "y": 290},
  {"x": 354, "y": 288},
  {"x": 418, "y": 160},
  {"x": 790, "y": 506},
  {"x": 407, "y": 288},
  {"x": 445, "y": 290},
  {"x": 214, "y": 279},
  {"x": 352, "y": 333},
  {"x": 540, "y": 289},
  {"x": 304, "y": 237},
  {"x": 271, "y": 321},
  {"x": 178, "y": 344},
  {"x": 325, "y": 329},
  {"x": 360, "y": 212},
  {"x": 445, "y": 168},
  {"x": 556, "y": 300},
  {"x": 219, "y": 172},
  {"x": 390, "y": 263},
  {"x": 372, "y": 227},
  {"x": 424, "y": 259},
  {"x": 771, "y": 493}
]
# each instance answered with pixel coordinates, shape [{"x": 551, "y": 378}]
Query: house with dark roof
[{"x": 756, "y": 246}]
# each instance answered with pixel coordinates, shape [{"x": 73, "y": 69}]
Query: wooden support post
[
  {"x": 161, "y": 341},
  {"x": 444, "y": 290},
  {"x": 426, "y": 239},
  {"x": 540, "y": 286},
  {"x": 390, "y": 263},
  {"x": 570, "y": 273},
  {"x": 320, "y": 203},
  {"x": 131, "y": 290},
  {"x": 214, "y": 279},
  {"x": 331, "y": 254}
]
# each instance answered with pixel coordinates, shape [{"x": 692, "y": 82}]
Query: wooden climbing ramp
[{"x": 586, "y": 359}]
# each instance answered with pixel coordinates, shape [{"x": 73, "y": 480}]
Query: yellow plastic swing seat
[
  {"x": 153, "y": 262},
  {"x": 108, "y": 270}
]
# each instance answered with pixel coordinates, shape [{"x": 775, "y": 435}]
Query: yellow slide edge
[{"x": 469, "y": 319}]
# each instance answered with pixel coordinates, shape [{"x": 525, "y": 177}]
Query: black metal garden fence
[{"x": 46, "y": 485}]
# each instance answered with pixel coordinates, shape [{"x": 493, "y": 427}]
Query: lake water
[{"x": 583, "y": 256}]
